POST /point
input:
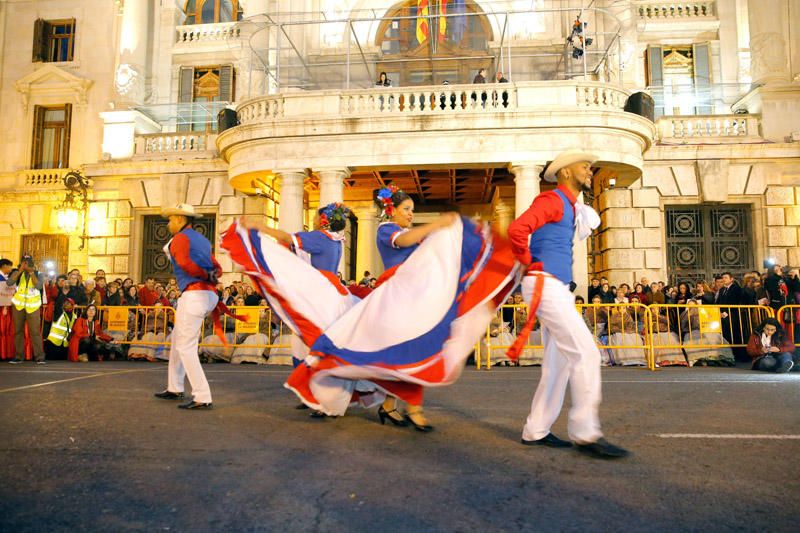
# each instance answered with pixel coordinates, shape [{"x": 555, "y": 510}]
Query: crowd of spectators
[
  {"x": 682, "y": 332},
  {"x": 74, "y": 321}
]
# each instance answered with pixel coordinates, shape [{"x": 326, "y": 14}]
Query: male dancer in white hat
[
  {"x": 197, "y": 271},
  {"x": 570, "y": 353}
]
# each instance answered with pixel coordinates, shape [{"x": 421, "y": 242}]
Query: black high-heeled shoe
[
  {"x": 425, "y": 428},
  {"x": 383, "y": 414}
]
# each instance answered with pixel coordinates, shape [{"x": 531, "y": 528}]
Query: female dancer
[
  {"x": 465, "y": 271},
  {"x": 397, "y": 240}
]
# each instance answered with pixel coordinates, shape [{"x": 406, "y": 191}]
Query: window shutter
[
  {"x": 226, "y": 83},
  {"x": 36, "y": 144},
  {"x": 702, "y": 77},
  {"x": 64, "y": 163},
  {"x": 41, "y": 31},
  {"x": 186, "y": 85},
  {"x": 185, "y": 94},
  {"x": 654, "y": 68}
]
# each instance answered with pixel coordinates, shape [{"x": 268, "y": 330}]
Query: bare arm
[
  {"x": 415, "y": 235},
  {"x": 279, "y": 235}
]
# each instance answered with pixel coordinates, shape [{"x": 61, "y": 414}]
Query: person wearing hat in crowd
[
  {"x": 570, "y": 353},
  {"x": 26, "y": 309},
  {"x": 197, "y": 272}
]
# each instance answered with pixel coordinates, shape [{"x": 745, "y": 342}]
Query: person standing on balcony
[
  {"x": 197, "y": 272},
  {"x": 383, "y": 80},
  {"x": 26, "y": 309},
  {"x": 570, "y": 353}
]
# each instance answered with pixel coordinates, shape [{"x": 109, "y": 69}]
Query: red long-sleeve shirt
[
  {"x": 179, "y": 250},
  {"x": 546, "y": 207}
]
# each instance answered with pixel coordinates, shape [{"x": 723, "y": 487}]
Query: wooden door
[{"x": 47, "y": 248}]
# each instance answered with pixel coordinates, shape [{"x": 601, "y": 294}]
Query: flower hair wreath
[
  {"x": 333, "y": 212},
  {"x": 384, "y": 198}
]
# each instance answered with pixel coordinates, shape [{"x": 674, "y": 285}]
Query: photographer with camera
[{"x": 26, "y": 309}]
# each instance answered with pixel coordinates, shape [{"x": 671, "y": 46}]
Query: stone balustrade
[
  {"x": 158, "y": 145},
  {"x": 708, "y": 129},
  {"x": 200, "y": 33},
  {"x": 434, "y": 100},
  {"x": 654, "y": 11},
  {"x": 45, "y": 178}
]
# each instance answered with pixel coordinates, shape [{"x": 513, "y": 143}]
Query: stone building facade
[{"x": 126, "y": 93}]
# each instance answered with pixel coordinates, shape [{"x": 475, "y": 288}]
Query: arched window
[
  {"x": 458, "y": 44},
  {"x": 211, "y": 11}
]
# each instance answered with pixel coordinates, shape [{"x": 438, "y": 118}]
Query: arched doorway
[{"x": 420, "y": 50}]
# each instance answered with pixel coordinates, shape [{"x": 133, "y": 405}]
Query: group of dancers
[{"x": 441, "y": 286}]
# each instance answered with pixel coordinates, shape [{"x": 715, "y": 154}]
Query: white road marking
[
  {"x": 743, "y": 436},
  {"x": 99, "y": 374}
]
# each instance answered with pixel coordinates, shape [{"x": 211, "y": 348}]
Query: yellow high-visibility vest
[
  {"x": 60, "y": 330},
  {"x": 27, "y": 298}
]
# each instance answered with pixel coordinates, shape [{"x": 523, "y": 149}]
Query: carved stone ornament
[
  {"x": 768, "y": 56},
  {"x": 127, "y": 80},
  {"x": 51, "y": 80}
]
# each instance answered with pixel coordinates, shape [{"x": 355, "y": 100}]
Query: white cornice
[{"x": 51, "y": 80}]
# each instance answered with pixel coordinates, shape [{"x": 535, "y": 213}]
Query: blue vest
[
  {"x": 199, "y": 252},
  {"x": 552, "y": 244}
]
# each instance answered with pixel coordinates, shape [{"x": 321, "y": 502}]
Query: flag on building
[{"x": 423, "y": 23}]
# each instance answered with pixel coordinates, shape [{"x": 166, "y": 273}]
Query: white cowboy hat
[
  {"x": 565, "y": 159},
  {"x": 185, "y": 210}
]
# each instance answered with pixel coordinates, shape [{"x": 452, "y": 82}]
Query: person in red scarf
[{"x": 88, "y": 337}]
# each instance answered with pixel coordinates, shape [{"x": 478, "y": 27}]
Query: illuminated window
[
  {"x": 205, "y": 85},
  {"x": 211, "y": 11}
]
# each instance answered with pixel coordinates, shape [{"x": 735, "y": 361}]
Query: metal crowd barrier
[
  {"x": 670, "y": 334},
  {"x": 789, "y": 317},
  {"x": 151, "y": 325}
]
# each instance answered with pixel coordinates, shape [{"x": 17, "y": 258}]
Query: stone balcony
[
  {"x": 172, "y": 146},
  {"x": 430, "y": 126},
  {"x": 196, "y": 38},
  {"x": 709, "y": 129}
]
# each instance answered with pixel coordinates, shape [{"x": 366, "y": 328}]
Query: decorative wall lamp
[{"x": 73, "y": 212}]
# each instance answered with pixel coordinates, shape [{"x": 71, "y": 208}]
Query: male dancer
[
  {"x": 570, "y": 352},
  {"x": 197, "y": 271}
]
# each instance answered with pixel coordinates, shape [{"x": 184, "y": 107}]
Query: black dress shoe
[
  {"x": 195, "y": 405},
  {"x": 602, "y": 449},
  {"x": 319, "y": 414},
  {"x": 169, "y": 395},
  {"x": 301, "y": 406},
  {"x": 549, "y": 440}
]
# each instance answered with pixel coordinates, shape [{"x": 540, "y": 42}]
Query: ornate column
[
  {"x": 130, "y": 74},
  {"x": 526, "y": 179},
  {"x": 290, "y": 211},
  {"x": 773, "y": 96},
  {"x": 331, "y": 185},
  {"x": 367, "y": 249},
  {"x": 768, "y": 47}
]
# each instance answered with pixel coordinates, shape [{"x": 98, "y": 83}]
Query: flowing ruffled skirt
[{"x": 415, "y": 330}]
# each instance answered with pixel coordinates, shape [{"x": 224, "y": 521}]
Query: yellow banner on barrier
[
  {"x": 251, "y": 323},
  {"x": 117, "y": 319},
  {"x": 710, "y": 320}
]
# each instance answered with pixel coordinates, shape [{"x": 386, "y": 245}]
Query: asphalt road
[{"x": 87, "y": 447}]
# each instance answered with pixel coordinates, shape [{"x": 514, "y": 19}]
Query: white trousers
[
  {"x": 570, "y": 356},
  {"x": 193, "y": 306}
]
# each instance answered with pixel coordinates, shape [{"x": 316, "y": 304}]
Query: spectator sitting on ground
[
  {"x": 88, "y": 340},
  {"x": 699, "y": 344},
  {"x": 623, "y": 333},
  {"x": 770, "y": 348}
]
